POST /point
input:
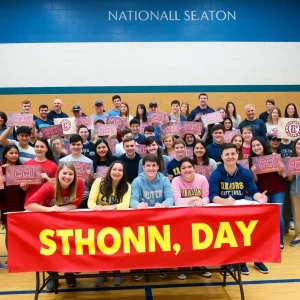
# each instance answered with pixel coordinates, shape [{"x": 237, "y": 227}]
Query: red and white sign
[
  {"x": 143, "y": 125},
  {"x": 267, "y": 163},
  {"x": 191, "y": 127},
  {"x": 229, "y": 134},
  {"x": 173, "y": 129},
  {"x": 68, "y": 124},
  {"x": 82, "y": 169},
  {"x": 15, "y": 175},
  {"x": 15, "y": 119},
  {"x": 157, "y": 117},
  {"x": 86, "y": 121},
  {"x": 289, "y": 128},
  {"x": 102, "y": 171},
  {"x": 141, "y": 149},
  {"x": 291, "y": 165},
  {"x": 105, "y": 129},
  {"x": 204, "y": 170},
  {"x": 189, "y": 152},
  {"x": 212, "y": 118},
  {"x": 119, "y": 122},
  {"x": 244, "y": 163},
  {"x": 54, "y": 130}
]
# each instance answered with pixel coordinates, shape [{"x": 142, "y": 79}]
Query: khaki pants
[{"x": 296, "y": 212}]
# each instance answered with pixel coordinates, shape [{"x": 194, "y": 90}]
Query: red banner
[{"x": 81, "y": 241}]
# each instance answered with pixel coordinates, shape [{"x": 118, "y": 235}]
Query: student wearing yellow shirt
[{"x": 110, "y": 193}]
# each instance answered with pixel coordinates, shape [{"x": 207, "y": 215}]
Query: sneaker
[
  {"x": 204, "y": 272},
  {"x": 181, "y": 276},
  {"x": 3, "y": 265},
  {"x": 224, "y": 273},
  {"x": 261, "y": 268},
  {"x": 51, "y": 284},
  {"x": 99, "y": 281},
  {"x": 71, "y": 281},
  {"x": 281, "y": 247},
  {"x": 118, "y": 280},
  {"x": 137, "y": 277},
  {"x": 163, "y": 276},
  {"x": 291, "y": 225},
  {"x": 244, "y": 269},
  {"x": 294, "y": 243}
]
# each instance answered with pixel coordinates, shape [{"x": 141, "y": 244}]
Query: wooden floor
[{"x": 282, "y": 283}]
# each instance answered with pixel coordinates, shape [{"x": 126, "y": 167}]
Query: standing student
[
  {"x": 56, "y": 112},
  {"x": 233, "y": 115},
  {"x": 12, "y": 196},
  {"x": 88, "y": 148},
  {"x": 272, "y": 121},
  {"x": 229, "y": 183},
  {"x": 228, "y": 125},
  {"x": 58, "y": 151},
  {"x": 119, "y": 147},
  {"x": 3, "y": 127},
  {"x": 141, "y": 113},
  {"x": 175, "y": 116},
  {"x": 201, "y": 109},
  {"x": 200, "y": 156},
  {"x": 63, "y": 195},
  {"x": 44, "y": 159},
  {"x": 152, "y": 147},
  {"x": 271, "y": 182},
  {"x": 115, "y": 112},
  {"x": 173, "y": 165},
  {"x": 99, "y": 111},
  {"x": 110, "y": 193},
  {"x": 124, "y": 111},
  {"x": 185, "y": 109},
  {"x": 214, "y": 149},
  {"x": 247, "y": 134},
  {"x": 135, "y": 129},
  {"x": 168, "y": 142},
  {"x": 291, "y": 111},
  {"x": 238, "y": 141},
  {"x": 42, "y": 121},
  {"x": 270, "y": 104}
]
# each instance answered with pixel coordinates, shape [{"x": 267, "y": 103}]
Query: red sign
[
  {"x": 142, "y": 126},
  {"x": 15, "y": 175},
  {"x": 86, "y": 121},
  {"x": 141, "y": 149},
  {"x": 212, "y": 118},
  {"x": 82, "y": 169},
  {"x": 54, "y": 130},
  {"x": 119, "y": 122},
  {"x": 112, "y": 145},
  {"x": 229, "y": 134},
  {"x": 173, "y": 129},
  {"x": 244, "y": 163},
  {"x": 157, "y": 117},
  {"x": 1, "y": 179},
  {"x": 204, "y": 170},
  {"x": 191, "y": 127},
  {"x": 189, "y": 152},
  {"x": 20, "y": 120},
  {"x": 291, "y": 165},
  {"x": 81, "y": 241},
  {"x": 105, "y": 129},
  {"x": 267, "y": 163},
  {"x": 102, "y": 171}
]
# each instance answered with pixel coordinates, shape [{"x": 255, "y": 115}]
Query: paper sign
[
  {"x": 189, "y": 152},
  {"x": 82, "y": 169},
  {"x": 142, "y": 126},
  {"x": 67, "y": 147},
  {"x": 267, "y": 163},
  {"x": 86, "y": 121},
  {"x": 68, "y": 124},
  {"x": 15, "y": 175},
  {"x": 272, "y": 130},
  {"x": 1, "y": 179},
  {"x": 119, "y": 122},
  {"x": 157, "y": 117},
  {"x": 191, "y": 127},
  {"x": 204, "y": 170},
  {"x": 212, "y": 118},
  {"x": 112, "y": 145},
  {"x": 101, "y": 171},
  {"x": 105, "y": 129},
  {"x": 54, "y": 130},
  {"x": 291, "y": 165},
  {"x": 229, "y": 134},
  {"x": 15, "y": 119},
  {"x": 173, "y": 129},
  {"x": 289, "y": 128},
  {"x": 141, "y": 149},
  {"x": 244, "y": 163}
]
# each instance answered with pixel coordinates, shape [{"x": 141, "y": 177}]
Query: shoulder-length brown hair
[
  {"x": 269, "y": 120},
  {"x": 57, "y": 187},
  {"x": 127, "y": 113}
]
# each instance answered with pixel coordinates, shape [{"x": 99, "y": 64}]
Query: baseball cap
[
  {"x": 98, "y": 102},
  {"x": 76, "y": 107},
  {"x": 23, "y": 129},
  {"x": 273, "y": 137},
  {"x": 152, "y": 103}
]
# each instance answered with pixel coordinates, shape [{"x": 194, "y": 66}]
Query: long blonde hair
[{"x": 57, "y": 187}]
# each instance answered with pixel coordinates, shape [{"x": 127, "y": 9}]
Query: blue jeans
[{"x": 278, "y": 198}]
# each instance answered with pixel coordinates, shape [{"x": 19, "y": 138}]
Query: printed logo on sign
[
  {"x": 66, "y": 125},
  {"x": 292, "y": 129}
]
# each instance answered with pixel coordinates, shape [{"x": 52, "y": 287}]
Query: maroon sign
[
  {"x": 189, "y": 152},
  {"x": 15, "y": 175},
  {"x": 101, "y": 171},
  {"x": 1, "y": 179},
  {"x": 291, "y": 165},
  {"x": 54, "y": 130},
  {"x": 191, "y": 127},
  {"x": 105, "y": 129},
  {"x": 141, "y": 149},
  {"x": 82, "y": 169},
  {"x": 119, "y": 122},
  {"x": 142, "y": 126},
  {"x": 212, "y": 118},
  {"x": 173, "y": 129},
  {"x": 267, "y": 163},
  {"x": 86, "y": 121},
  {"x": 204, "y": 170},
  {"x": 229, "y": 134},
  {"x": 244, "y": 163},
  {"x": 157, "y": 117},
  {"x": 20, "y": 120}
]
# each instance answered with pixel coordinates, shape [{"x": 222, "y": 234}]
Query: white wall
[{"x": 150, "y": 64}]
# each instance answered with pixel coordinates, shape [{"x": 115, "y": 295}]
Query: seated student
[
  {"x": 119, "y": 147},
  {"x": 88, "y": 148},
  {"x": 153, "y": 148},
  {"x": 59, "y": 152},
  {"x": 64, "y": 194},
  {"x": 175, "y": 116},
  {"x": 200, "y": 155},
  {"x": 229, "y": 182},
  {"x": 76, "y": 144},
  {"x": 173, "y": 165},
  {"x": 135, "y": 129},
  {"x": 110, "y": 193},
  {"x": 130, "y": 159},
  {"x": 214, "y": 149}
]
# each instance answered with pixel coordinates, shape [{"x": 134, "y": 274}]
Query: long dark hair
[
  {"x": 205, "y": 155},
  {"x": 4, "y": 117},
  {"x": 234, "y": 109},
  {"x": 6, "y": 149},
  {"x": 294, "y": 152},
  {"x": 227, "y": 119},
  {"x": 97, "y": 159},
  {"x": 49, "y": 153},
  {"x": 159, "y": 153},
  {"x": 295, "y": 113},
  {"x": 194, "y": 142},
  {"x": 106, "y": 185},
  {"x": 144, "y": 116},
  {"x": 266, "y": 149}
]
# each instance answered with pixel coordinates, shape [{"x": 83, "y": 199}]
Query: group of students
[{"x": 162, "y": 178}]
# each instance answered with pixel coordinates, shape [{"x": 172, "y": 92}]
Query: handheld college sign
[
  {"x": 15, "y": 175},
  {"x": 291, "y": 165},
  {"x": 81, "y": 241},
  {"x": 15, "y": 119},
  {"x": 54, "y": 130},
  {"x": 288, "y": 128},
  {"x": 267, "y": 163}
]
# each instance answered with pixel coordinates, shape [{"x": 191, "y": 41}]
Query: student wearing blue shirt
[
  {"x": 42, "y": 121},
  {"x": 214, "y": 149},
  {"x": 56, "y": 112},
  {"x": 115, "y": 112}
]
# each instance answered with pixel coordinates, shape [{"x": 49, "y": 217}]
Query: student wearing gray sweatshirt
[{"x": 151, "y": 188}]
